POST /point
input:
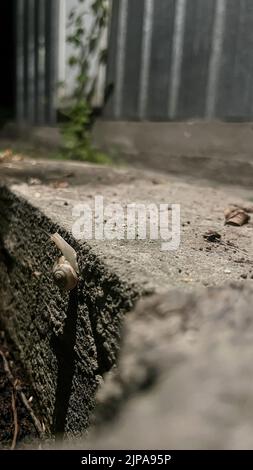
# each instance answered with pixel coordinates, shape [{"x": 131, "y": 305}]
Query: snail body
[
  {"x": 68, "y": 252},
  {"x": 65, "y": 268}
]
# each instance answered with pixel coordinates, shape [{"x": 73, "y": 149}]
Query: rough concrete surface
[
  {"x": 215, "y": 150},
  {"x": 219, "y": 151},
  {"x": 68, "y": 342},
  {"x": 184, "y": 376}
]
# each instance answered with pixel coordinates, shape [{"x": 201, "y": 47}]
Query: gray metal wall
[
  {"x": 181, "y": 59},
  {"x": 37, "y": 56}
]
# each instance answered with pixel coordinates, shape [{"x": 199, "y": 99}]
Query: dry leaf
[
  {"x": 5, "y": 155},
  {"x": 236, "y": 216},
  {"x": 17, "y": 158},
  {"x": 60, "y": 184}
]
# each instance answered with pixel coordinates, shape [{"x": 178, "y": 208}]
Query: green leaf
[
  {"x": 78, "y": 116},
  {"x": 73, "y": 60},
  {"x": 93, "y": 44}
]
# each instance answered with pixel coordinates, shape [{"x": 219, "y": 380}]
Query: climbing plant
[{"x": 85, "y": 40}]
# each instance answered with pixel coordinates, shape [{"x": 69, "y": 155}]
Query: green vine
[{"x": 79, "y": 116}]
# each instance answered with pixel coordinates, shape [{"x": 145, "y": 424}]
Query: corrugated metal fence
[
  {"x": 36, "y": 60},
  {"x": 181, "y": 59}
]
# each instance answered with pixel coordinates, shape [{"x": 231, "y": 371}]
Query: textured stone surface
[
  {"x": 61, "y": 337},
  {"x": 218, "y": 151},
  {"x": 68, "y": 342},
  {"x": 184, "y": 376}
]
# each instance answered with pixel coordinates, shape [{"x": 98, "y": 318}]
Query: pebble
[{"x": 244, "y": 276}]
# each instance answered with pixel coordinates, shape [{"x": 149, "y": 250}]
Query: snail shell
[{"x": 64, "y": 275}]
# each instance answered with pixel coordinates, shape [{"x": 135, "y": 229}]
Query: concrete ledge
[
  {"x": 184, "y": 374},
  {"x": 218, "y": 151},
  {"x": 214, "y": 150},
  {"x": 49, "y": 138},
  {"x": 67, "y": 342}
]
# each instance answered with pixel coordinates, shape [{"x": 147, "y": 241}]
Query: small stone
[
  {"x": 227, "y": 271},
  {"x": 37, "y": 274},
  {"x": 212, "y": 236},
  {"x": 34, "y": 181}
]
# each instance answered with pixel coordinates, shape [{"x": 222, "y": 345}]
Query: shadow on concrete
[{"x": 63, "y": 347}]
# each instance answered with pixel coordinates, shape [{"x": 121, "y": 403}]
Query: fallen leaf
[
  {"x": 236, "y": 216},
  {"x": 6, "y": 154},
  {"x": 248, "y": 209},
  {"x": 17, "y": 158},
  {"x": 60, "y": 184}
]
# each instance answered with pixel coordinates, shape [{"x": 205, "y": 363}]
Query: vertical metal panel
[
  {"x": 40, "y": 54},
  {"x": 121, "y": 52},
  {"x": 62, "y": 41},
  {"x": 177, "y": 54},
  {"x": 51, "y": 59},
  {"x": 215, "y": 57},
  {"x": 132, "y": 62},
  {"x": 199, "y": 17},
  {"x": 111, "y": 62},
  {"x": 235, "y": 85},
  {"x": 147, "y": 32},
  {"x": 168, "y": 59},
  {"x": 37, "y": 60},
  {"x": 195, "y": 59},
  {"x": 24, "y": 25},
  {"x": 30, "y": 62},
  {"x": 19, "y": 5},
  {"x": 160, "y": 59}
]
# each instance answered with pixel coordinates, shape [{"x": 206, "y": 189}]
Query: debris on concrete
[
  {"x": 236, "y": 216},
  {"x": 212, "y": 236}
]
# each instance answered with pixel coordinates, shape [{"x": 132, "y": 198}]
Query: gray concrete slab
[
  {"x": 184, "y": 375},
  {"x": 218, "y": 151},
  {"x": 68, "y": 342}
]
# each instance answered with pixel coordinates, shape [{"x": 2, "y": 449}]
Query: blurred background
[
  {"x": 170, "y": 70},
  {"x": 167, "y": 59}
]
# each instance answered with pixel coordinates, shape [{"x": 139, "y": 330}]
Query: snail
[
  {"x": 64, "y": 275},
  {"x": 65, "y": 269}
]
